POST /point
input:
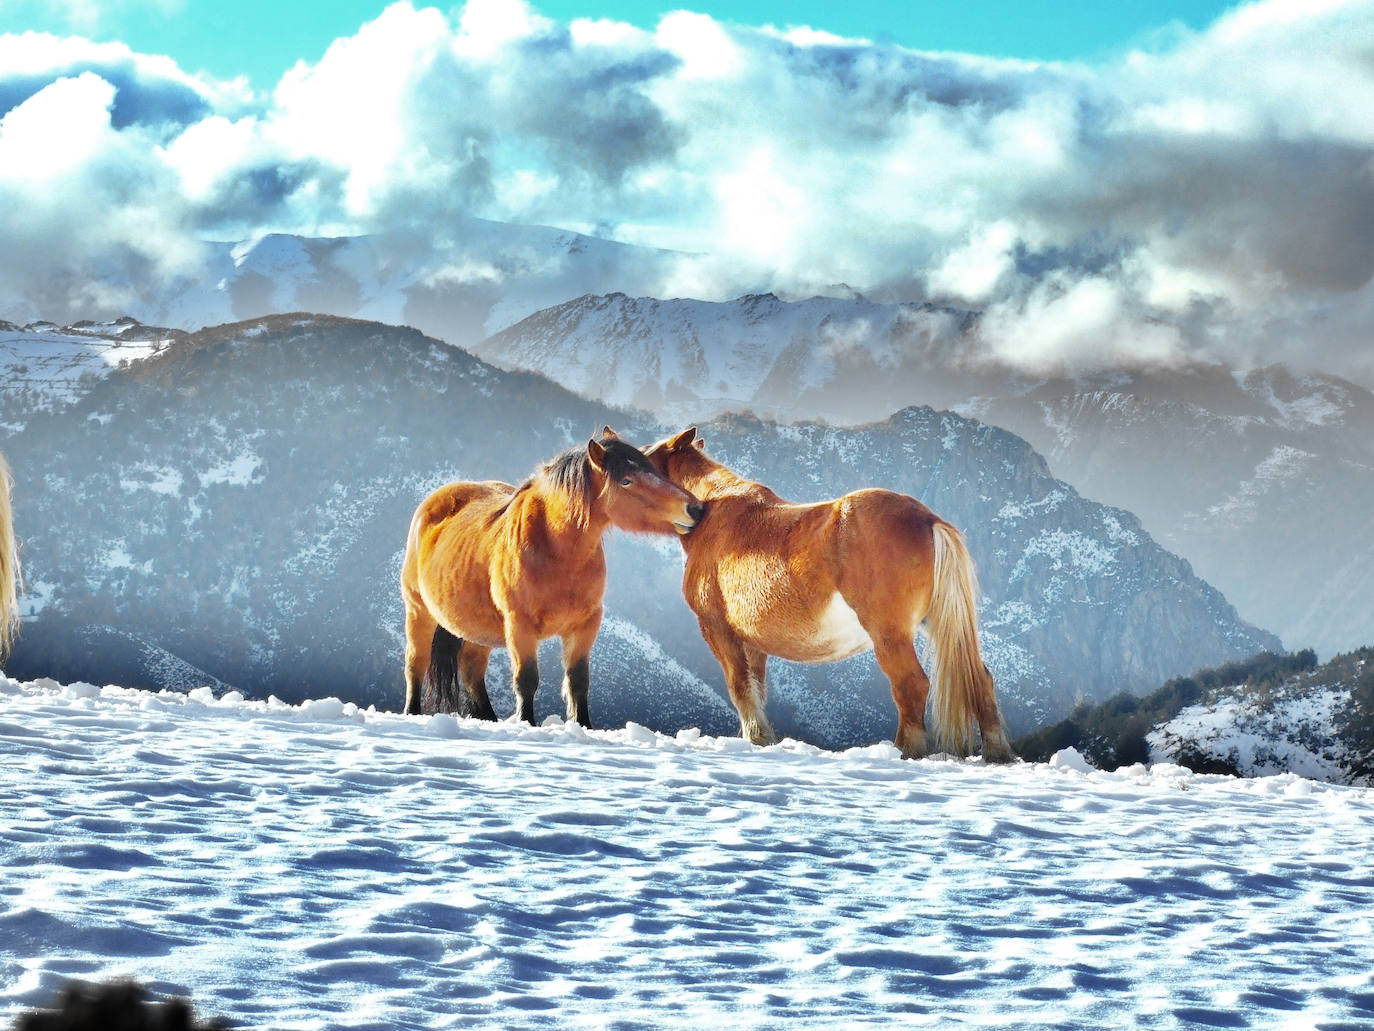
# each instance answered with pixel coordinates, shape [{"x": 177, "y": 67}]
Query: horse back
[
  {"x": 882, "y": 537},
  {"x": 789, "y": 577}
]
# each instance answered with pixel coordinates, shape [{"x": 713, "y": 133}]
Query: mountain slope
[
  {"x": 1261, "y": 480},
  {"x": 240, "y": 500},
  {"x": 482, "y": 277},
  {"x": 1267, "y": 715},
  {"x": 44, "y": 367}
]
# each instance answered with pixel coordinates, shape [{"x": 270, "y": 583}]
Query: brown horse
[
  {"x": 822, "y": 582},
  {"x": 489, "y": 565},
  {"x": 9, "y": 566}
]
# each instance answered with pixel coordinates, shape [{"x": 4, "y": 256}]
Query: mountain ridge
[
  {"x": 244, "y": 495},
  {"x": 1219, "y": 464}
]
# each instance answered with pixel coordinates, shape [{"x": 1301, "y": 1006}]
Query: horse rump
[{"x": 443, "y": 688}]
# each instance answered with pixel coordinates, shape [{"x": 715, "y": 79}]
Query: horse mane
[
  {"x": 569, "y": 474},
  {"x": 9, "y": 566}
]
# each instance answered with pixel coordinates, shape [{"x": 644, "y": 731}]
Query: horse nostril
[{"x": 696, "y": 510}]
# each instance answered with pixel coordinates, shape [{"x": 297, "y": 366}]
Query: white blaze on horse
[
  {"x": 489, "y": 565},
  {"x": 822, "y": 582}
]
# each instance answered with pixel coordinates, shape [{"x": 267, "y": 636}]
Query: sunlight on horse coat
[
  {"x": 822, "y": 582},
  {"x": 490, "y": 565}
]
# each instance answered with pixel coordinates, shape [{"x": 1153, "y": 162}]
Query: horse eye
[{"x": 625, "y": 482}]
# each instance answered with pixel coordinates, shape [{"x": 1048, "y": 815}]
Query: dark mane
[{"x": 570, "y": 474}]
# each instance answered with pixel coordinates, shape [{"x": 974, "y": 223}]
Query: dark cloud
[
  {"x": 588, "y": 108},
  {"x": 140, "y": 99},
  {"x": 888, "y": 80}
]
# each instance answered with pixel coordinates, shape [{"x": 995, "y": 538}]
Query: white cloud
[{"x": 1221, "y": 184}]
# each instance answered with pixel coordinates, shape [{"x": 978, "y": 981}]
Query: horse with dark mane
[
  {"x": 490, "y": 565},
  {"x": 9, "y": 566},
  {"x": 822, "y": 582}
]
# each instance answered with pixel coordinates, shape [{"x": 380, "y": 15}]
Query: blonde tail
[
  {"x": 963, "y": 696},
  {"x": 9, "y": 566}
]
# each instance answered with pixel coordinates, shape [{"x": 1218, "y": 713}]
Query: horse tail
[
  {"x": 443, "y": 691},
  {"x": 963, "y": 697},
  {"x": 443, "y": 687},
  {"x": 9, "y": 566}
]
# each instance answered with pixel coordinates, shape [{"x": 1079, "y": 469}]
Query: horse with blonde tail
[
  {"x": 822, "y": 582},
  {"x": 9, "y": 566},
  {"x": 489, "y": 565}
]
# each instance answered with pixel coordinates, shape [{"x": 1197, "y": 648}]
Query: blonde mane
[{"x": 9, "y": 566}]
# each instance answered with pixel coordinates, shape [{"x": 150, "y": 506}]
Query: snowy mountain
[
  {"x": 480, "y": 278},
  {"x": 321, "y": 866},
  {"x": 239, "y": 501},
  {"x": 44, "y": 367},
  {"x": 1261, "y": 480}
]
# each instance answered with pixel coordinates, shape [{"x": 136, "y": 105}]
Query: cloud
[
  {"x": 1210, "y": 197},
  {"x": 150, "y": 91},
  {"x": 85, "y": 209}
]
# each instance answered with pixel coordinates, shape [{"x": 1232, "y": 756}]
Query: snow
[
  {"x": 1274, "y": 473},
  {"x": 238, "y": 471},
  {"x": 1062, "y": 549},
  {"x": 1289, "y": 734},
  {"x": 320, "y": 866},
  {"x": 682, "y": 357},
  {"x": 49, "y": 367}
]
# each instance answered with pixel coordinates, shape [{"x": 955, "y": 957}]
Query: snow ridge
[{"x": 322, "y": 865}]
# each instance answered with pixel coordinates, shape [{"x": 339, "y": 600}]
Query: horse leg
[
  {"x": 577, "y": 669},
  {"x": 756, "y": 672},
  {"x": 744, "y": 669},
  {"x": 523, "y": 647},
  {"x": 420, "y": 627},
  {"x": 896, "y": 655},
  {"x": 472, "y": 671}
]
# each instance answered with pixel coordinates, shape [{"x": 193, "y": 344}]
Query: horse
[
  {"x": 9, "y": 566},
  {"x": 490, "y": 565},
  {"x": 821, "y": 582}
]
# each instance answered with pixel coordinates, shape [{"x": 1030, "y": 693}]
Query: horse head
[
  {"x": 634, "y": 495},
  {"x": 681, "y": 460}
]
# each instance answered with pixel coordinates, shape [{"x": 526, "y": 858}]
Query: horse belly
[
  {"x": 832, "y": 634},
  {"x": 839, "y": 634}
]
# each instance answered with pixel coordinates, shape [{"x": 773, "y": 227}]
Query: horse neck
[
  {"x": 569, "y": 533},
  {"x": 716, "y": 481}
]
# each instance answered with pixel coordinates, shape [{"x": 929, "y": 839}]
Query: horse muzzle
[{"x": 695, "y": 511}]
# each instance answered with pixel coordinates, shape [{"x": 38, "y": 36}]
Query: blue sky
[
  {"x": 263, "y": 38},
  {"x": 1182, "y": 179}
]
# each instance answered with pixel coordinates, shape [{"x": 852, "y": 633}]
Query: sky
[
  {"x": 263, "y": 39},
  {"x": 1170, "y": 182}
]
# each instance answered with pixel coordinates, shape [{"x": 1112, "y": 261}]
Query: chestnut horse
[
  {"x": 9, "y": 566},
  {"x": 822, "y": 582},
  {"x": 489, "y": 565}
]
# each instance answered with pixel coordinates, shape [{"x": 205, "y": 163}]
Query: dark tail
[
  {"x": 442, "y": 692},
  {"x": 443, "y": 689}
]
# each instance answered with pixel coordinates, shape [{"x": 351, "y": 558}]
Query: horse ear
[
  {"x": 609, "y": 434},
  {"x": 699, "y": 444},
  {"x": 682, "y": 439},
  {"x": 596, "y": 454}
]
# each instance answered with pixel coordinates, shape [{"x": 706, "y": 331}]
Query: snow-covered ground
[
  {"x": 322, "y": 867},
  {"x": 1258, "y": 739}
]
